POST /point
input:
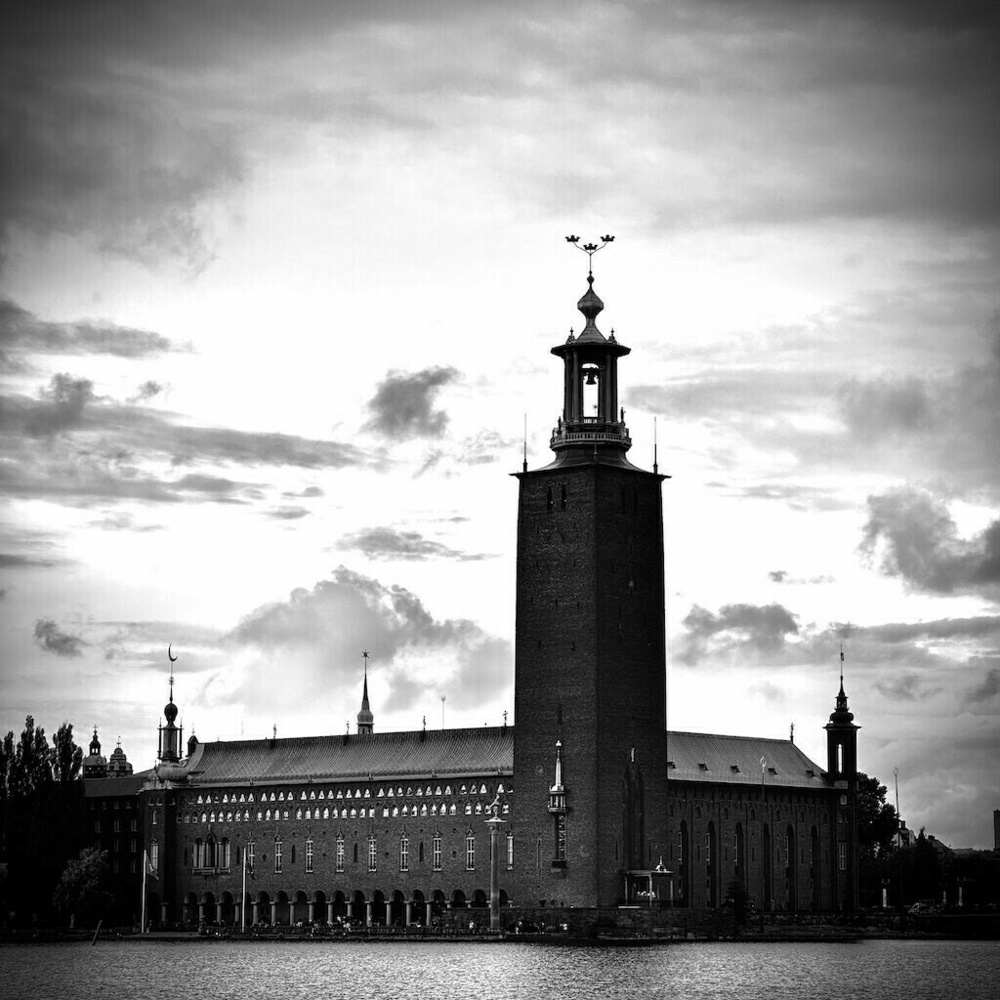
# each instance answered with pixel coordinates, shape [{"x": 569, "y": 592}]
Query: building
[{"x": 600, "y": 805}]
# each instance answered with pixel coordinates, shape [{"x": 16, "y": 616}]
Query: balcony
[{"x": 590, "y": 430}]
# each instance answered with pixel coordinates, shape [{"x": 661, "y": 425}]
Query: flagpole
[
  {"x": 142, "y": 905},
  {"x": 243, "y": 901}
]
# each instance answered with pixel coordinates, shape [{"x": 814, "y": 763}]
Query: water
[{"x": 915, "y": 970}]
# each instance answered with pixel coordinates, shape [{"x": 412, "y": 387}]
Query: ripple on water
[{"x": 917, "y": 970}]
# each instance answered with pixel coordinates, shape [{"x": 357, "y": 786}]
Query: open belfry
[{"x": 585, "y": 803}]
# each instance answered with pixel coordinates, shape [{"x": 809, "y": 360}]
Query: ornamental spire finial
[{"x": 590, "y": 249}]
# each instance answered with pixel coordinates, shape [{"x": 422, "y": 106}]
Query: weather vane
[{"x": 590, "y": 248}]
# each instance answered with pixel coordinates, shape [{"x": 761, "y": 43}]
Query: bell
[{"x": 591, "y": 376}]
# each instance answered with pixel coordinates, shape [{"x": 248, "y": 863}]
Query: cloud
[
  {"x": 22, "y": 333},
  {"x": 287, "y": 513},
  {"x": 904, "y": 687},
  {"x": 53, "y": 639},
  {"x": 762, "y": 628},
  {"x": 316, "y": 634},
  {"x": 988, "y": 689},
  {"x": 778, "y": 575},
  {"x": 920, "y": 544},
  {"x": 11, "y": 560},
  {"x": 403, "y": 404},
  {"x": 388, "y": 543},
  {"x": 94, "y": 448}
]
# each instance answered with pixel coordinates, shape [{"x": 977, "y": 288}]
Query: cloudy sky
[{"x": 277, "y": 291}]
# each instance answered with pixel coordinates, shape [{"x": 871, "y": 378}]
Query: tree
[
  {"x": 32, "y": 766},
  {"x": 877, "y": 820},
  {"x": 82, "y": 888},
  {"x": 67, "y": 757}
]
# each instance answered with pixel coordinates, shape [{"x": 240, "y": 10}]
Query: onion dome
[
  {"x": 170, "y": 712},
  {"x": 591, "y": 306}
]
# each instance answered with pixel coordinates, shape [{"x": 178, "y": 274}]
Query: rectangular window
[
  {"x": 340, "y": 854},
  {"x": 372, "y": 854},
  {"x": 708, "y": 849},
  {"x": 97, "y": 826},
  {"x": 133, "y": 825},
  {"x": 154, "y": 857},
  {"x": 470, "y": 852},
  {"x": 133, "y": 845},
  {"x": 277, "y": 857},
  {"x": 510, "y": 851},
  {"x": 117, "y": 825},
  {"x": 560, "y": 837},
  {"x": 842, "y": 855},
  {"x": 404, "y": 854},
  {"x": 436, "y": 853},
  {"x": 309, "y": 855}
]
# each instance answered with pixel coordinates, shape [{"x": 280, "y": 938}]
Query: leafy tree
[
  {"x": 877, "y": 820},
  {"x": 67, "y": 757},
  {"x": 32, "y": 768},
  {"x": 82, "y": 888}
]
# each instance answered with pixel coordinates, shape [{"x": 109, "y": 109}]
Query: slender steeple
[
  {"x": 365, "y": 718},
  {"x": 94, "y": 765}
]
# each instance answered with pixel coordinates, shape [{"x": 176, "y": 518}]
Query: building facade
[{"x": 600, "y": 805}]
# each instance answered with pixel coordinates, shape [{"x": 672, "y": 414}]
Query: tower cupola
[
  {"x": 171, "y": 735},
  {"x": 591, "y": 426},
  {"x": 94, "y": 765}
]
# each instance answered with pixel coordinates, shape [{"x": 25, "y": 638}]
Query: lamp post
[{"x": 494, "y": 823}]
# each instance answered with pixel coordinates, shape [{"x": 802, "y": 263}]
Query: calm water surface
[{"x": 955, "y": 970}]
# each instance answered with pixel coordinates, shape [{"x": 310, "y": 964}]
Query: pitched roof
[
  {"x": 114, "y": 787},
  {"x": 706, "y": 757},
  {"x": 736, "y": 760},
  {"x": 440, "y": 753}
]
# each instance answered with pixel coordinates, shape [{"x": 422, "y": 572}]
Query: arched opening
[
  {"x": 358, "y": 909},
  {"x": 791, "y": 870},
  {"x": 152, "y": 909},
  {"x": 208, "y": 908},
  {"x": 504, "y": 898},
  {"x": 419, "y": 909},
  {"x": 480, "y": 899},
  {"x": 458, "y": 901},
  {"x": 282, "y": 910},
  {"x": 397, "y": 910},
  {"x": 263, "y": 907},
  {"x": 712, "y": 865},
  {"x": 300, "y": 909},
  {"x": 814, "y": 869},
  {"x": 438, "y": 903},
  {"x": 767, "y": 890},
  {"x": 319, "y": 907},
  {"x": 378, "y": 907},
  {"x": 190, "y": 915},
  {"x": 228, "y": 909},
  {"x": 339, "y": 906}
]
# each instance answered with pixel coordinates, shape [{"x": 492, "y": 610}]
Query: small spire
[{"x": 365, "y": 718}]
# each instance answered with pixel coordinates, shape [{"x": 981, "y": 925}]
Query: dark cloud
[
  {"x": 403, "y": 404},
  {"x": 762, "y": 628},
  {"x": 317, "y": 634},
  {"x": 921, "y": 545},
  {"x": 146, "y": 391},
  {"x": 905, "y": 687},
  {"x": 988, "y": 688},
  {"x": 21, "y": 332},
  {"x": 11, "y": 560},
  {"x": 388, "y": 543},
  {"x": 93, "y": 448},
  {"x": 778, "y": 575},
  {"x": 51, "y": 638}
]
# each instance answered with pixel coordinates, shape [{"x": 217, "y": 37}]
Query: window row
[
  {"x": 343, "y": 812},
  {"x": 216, "y": 854},
  {"x": 388, "y": 792}
]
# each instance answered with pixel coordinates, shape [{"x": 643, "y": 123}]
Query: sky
[{"x": 278, "y": 285}]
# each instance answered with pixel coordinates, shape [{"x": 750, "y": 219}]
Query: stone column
[
  {"x": 163, "y": 914},
  {"x": 312, "y": 910},
  {"x": 409, "y": 912},
  {"x": 218, "y": 913},
  {"x": 427, "y": 915},
  {"x": 274, "y": 913},
  {"x": 201, "y": 913},
  {"x": 254, "y": 912},
  {"x": 329, "y": 913},
  {"x": 368, "y": 913}
]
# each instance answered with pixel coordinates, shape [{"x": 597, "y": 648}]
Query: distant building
[{"x": 601, "y": 807}]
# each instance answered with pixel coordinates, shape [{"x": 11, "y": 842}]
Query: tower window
[
  {"x": 840, "y": 758},
  {"x": 562, "y": 498},
  {"x": 470, "y": 851},
  {"x": 510, "y": 851},
  {"x": 340, "y": 854},
  {"x": 309, "y": 855},
  {"x": 436, "y": 852},
  {"x": 372, "y": 854},
  {"x": 277, "y": 856},
  {"x": 549, "y": 504}
]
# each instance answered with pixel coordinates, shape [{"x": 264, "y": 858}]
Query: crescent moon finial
[{"x": 170, "y": 655}]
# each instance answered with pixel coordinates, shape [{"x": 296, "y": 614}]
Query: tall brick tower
[{"x": 589, "y": 739}]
